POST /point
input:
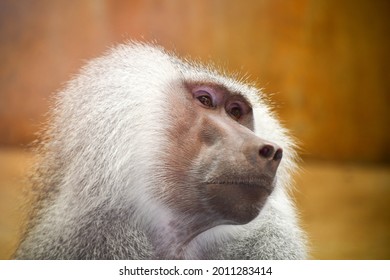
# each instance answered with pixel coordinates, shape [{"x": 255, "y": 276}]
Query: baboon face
[{"x": 215, "y": 165}]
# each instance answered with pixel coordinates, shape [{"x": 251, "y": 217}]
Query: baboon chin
[{"x": 148, "y": 156}]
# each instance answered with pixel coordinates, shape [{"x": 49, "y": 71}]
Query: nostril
[
  {"x": 278, "y": 155},
  {"x": 266, "y": 151}
]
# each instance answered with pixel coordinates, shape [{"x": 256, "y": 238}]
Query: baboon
[{"x": 148, "y": 156}]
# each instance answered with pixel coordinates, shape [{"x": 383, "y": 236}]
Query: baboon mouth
[
  {"x": 249, "y": 184},
  {"x": 245, "y": 185}
]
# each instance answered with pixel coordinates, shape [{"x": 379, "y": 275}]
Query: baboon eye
[
  {"x": 236, "y": 112},
  {"x": 205, "y": 98}
]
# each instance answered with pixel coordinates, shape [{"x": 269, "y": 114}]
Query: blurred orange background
[{"x": 325, "y": 65}]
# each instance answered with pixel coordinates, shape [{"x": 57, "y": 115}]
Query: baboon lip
[
  {"x": 248, "y": 184},
  {"x": 244, "y": 184}
]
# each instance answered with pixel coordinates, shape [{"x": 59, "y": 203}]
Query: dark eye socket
[
  {"x": 205, "y": 100},
  {"x": 236, "y": 112}
]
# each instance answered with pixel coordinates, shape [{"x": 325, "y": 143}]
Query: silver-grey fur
[{"x": 100, "y": 164}]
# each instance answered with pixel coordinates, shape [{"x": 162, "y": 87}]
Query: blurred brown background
[{"x": 325, "y": 63}]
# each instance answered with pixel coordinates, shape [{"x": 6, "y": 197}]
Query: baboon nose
[{"x": 271, "y": 152}]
